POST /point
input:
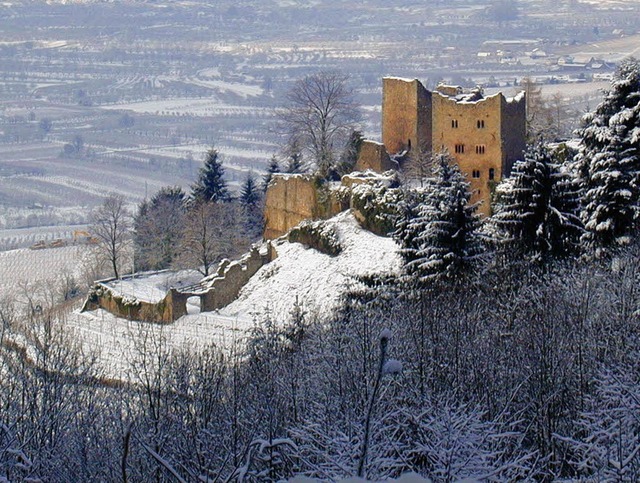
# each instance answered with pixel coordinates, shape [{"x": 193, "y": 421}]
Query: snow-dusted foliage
[
  {"x": 607, "y": 441},
  {"x": 445, "y": 441},
  {"x": 317, "y": 234},
  {"x": 538, "y": 207},
  {"x": 439, "y": 236},
  {"x": 376, "y": 206},
  {"x": 609, "y": 161}
]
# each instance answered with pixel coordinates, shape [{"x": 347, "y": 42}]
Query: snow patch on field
[{"x": 189, "y": 107}]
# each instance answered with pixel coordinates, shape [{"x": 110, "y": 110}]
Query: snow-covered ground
[
  {"x": 19, "y": 268},
  {"x": 188, "y": 107},
  {"x": 316, "y": 280},
  {"x": 153, "y": 287}
]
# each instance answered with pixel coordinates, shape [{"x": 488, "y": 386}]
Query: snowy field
[
  {"x": 189, "y": 107},
  {"x": 19, "y": 268},
  {"x": 298, "y": 273}
]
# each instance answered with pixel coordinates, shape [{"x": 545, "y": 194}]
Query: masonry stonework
[
  {"x": 406, "y": 115},
  {"x": 373, "y": 156},
  {"x": 289, "y": 200},
  {"x": 484, "y": 135}
]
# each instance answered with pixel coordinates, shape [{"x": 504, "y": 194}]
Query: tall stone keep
[
  {"x": 406, "y": 115},
  {"x": 485, "y": 135}
]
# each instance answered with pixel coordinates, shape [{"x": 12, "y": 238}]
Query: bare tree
[
  {"x": 110, "y": 225},
  {"x": 419, "y": 166},
  {"x": 320, "y": 115},
  {"x": 539, "y": 115},
  {"x": 211, "y": 232}
]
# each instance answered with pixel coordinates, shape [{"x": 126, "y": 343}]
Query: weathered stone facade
[
  {"x": 292, "y": 198},
  {"x": 373, "y": 155},
  {"x": 406, "y": 115},
  {"x": 485, "y": 135}
]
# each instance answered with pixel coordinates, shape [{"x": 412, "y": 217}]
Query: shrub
[{"x": 318, "y": 235}]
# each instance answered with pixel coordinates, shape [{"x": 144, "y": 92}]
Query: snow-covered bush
[
  {"x": 376, "y": 207},
  {"x": 317, "y": 234}
]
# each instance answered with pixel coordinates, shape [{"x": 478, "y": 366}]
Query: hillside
[{"x": 315, "y": 280}]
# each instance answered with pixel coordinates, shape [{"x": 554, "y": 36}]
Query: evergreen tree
[
  {"x": 441, "y": 242},
  {"x": 295, "y": 163},
  {"x": 538, "y": 209},
  {"x": 271, "y": 170},
  {"x": 250, "y": 197},
  {"x": 211, "y": 185},
  {"x": 609, "y": 162},
  {"x": 348, "y": 158}
]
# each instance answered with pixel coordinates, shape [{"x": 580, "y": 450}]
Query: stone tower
[
  {"x": 406, "y": 115},
  {"x": 485, "y": 135}
]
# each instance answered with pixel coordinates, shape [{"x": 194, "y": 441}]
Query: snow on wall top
[{"x": 401, "y": 79}]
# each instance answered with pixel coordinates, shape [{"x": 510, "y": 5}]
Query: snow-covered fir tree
[
  {"x": 250, "y": 197},
  {"x": 442, "y": 240},
  {"x": 609, "y": 162},
  {"x": 272, "y": 169},
  {"x": 211, "y": 185},
  {"x": 538, "y": 207}
]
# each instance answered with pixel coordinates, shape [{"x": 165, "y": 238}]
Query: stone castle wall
[
  {"x": 485, "y": 136},
  {"x": 514, "y": 130},
  {"x": 373, "y": 156},
  {"x": 471, "y": 132},
  {"x": 289, "y": 200},
  {"x": 406, "y": 115},
  {"x": 214, "y": 292}
]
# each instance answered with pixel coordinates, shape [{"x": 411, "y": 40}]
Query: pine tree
[
  {"x": 442, "y": 241},
  {"x": 348, "y": 158},
  {"x": 538, "y": 210},
  {"x": 250, "y": 202},
  {"x": 295, "y": 163},
  {"x": 211, "y": 185},
  {"x": 271, "y": 170},
  {"x": 249, "y": 195},
  {"x": 609, "y": 162}
]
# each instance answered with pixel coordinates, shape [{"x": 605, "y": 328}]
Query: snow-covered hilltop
[{"x": 299, "y": 274}]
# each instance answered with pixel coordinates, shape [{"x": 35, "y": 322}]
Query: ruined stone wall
[
  {"x": 406, "y": 114},
  {"x": 373, "y": 156},
  {"x": 231, "y": 277},
  {"x": 170, "y": 308},
  {"x": 289, "y": 200},
  {"x": 471, "y": 132},
  {"x": 514, "y": 130},
  {"x": 214, "y": 292}
]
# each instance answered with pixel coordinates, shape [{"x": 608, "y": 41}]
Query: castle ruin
[{"x": 484, "y": 135}]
